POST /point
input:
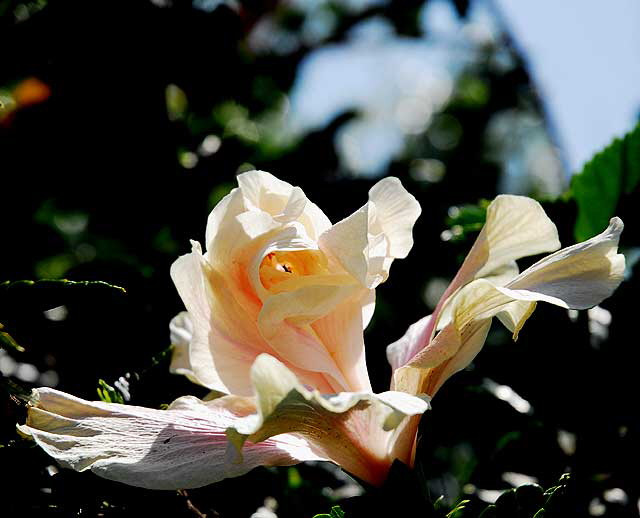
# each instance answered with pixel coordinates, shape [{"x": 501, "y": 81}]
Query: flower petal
[
  {"x": 182, "y": 447},
  {"x": 398, "y": 352},
  {"x": 515, "y": 227},
  {"x": 576, "y": 277},
  {"x": 355, "y": 430},
  {"x": 340, "y": 331},
  {"x": 285, "y": 322},
  {"x": 226, "y": 339},
  {"x": 579, "y": 276},
  {"x": 188, "y": 276},
  {"x": 263, "y": 191},
  {"x": 449, "y": 352},
  {"x": 181, "y": 330},
  {"x": 367, "y": 242}
]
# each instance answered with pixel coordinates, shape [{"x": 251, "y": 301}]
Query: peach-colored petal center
[{"x": 281, "y": 266}]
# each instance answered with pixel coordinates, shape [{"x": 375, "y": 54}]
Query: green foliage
[
  {"x": 458, "y": 510},
  {"x": 7, "y": 341},
  {"x": 108, "y": 394},
  {"x": 336, "y": 512},
  {"x": 609, "y": 175},
  {"x": 526, "y": 501},
  {"x": 45, "y": 284},
  {"x": 466, "y": 220}
]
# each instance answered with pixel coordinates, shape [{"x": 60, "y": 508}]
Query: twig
[{"x": 193, "y": 508}]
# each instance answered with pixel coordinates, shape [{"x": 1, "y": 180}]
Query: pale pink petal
[
  {"x": 285, "y": 322},
  {"x": 188, "y": 276},
  {"x": 401, "y": 351},
  {"x": 226, "y": 339},
  {"x": 182, "y": 447},
  {"x": 355, "y": 430},
  {"x": 340, "y": 331}
]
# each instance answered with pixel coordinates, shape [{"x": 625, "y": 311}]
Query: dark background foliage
[{"x": 104, "y": 178}]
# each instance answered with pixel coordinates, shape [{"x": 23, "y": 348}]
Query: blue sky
[{"x": 584, "y": 56}]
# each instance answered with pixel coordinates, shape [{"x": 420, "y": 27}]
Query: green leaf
[
  {"x": 525, "y": 501},
  {"x": 609, "y": 175},
  {"x": 465, "y": 221},
  {"x": 458, "y": 510},
  {"x": 57, "y": 283},
  {"x": 7, "y": 341},
  {"x": 108, "y": 394},
  {"x": 336, "y": 512}
]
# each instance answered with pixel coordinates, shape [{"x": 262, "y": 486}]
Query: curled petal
[
  {"x": 285, "y": 322},
  {"x": 358, "y": 431},
  {"x": 515, "y": 227},
  {"x": 449, "y": 352},
  {"x": 579, "y": 276},
  {"x": 264, "y": 192},
  {"x": 367, "y": 242},
  {"x": 182, "y": 447},
  {"x": 576, "y": 277},
  {"x": 226, "y": 338},
  {"x": 340, "y": 331}
]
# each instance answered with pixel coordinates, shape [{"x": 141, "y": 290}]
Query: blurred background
[{"x": 123, "y": 123}]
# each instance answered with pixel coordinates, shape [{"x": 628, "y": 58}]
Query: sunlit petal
[
  {"x": 181, "y": 332},
  {"x": 576, "y": 277},
  {"x": 355, "y": 430},
  {"x": 367, "y": 242},
  {"x": 182, "y": 447}
]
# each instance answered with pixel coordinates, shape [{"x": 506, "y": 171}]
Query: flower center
[{"x": 279, "y": 267}]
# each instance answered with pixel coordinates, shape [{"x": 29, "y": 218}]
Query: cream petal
[
  {"x": 576, "y": 277},
  {"x": 355, "y": 430},
  {"x": 188, "y": 276},
  {"x": 515, "y": 227},
  {"x": 182, "y": 447},
  {"x": 265, "y": 192},
  {"x": 226, "y": 210},
  {"x": 396, "y": 213},
  {"x": 294, "y": 208},
  {"x": 347, "y": 243},
  {"x": 368, "y": 308},
  {"x": 515, "y": 314},
  {"x": 366, "y": 242},
  {"x": 579, "y": 276},
  {"x": 181, "y": 333}
]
